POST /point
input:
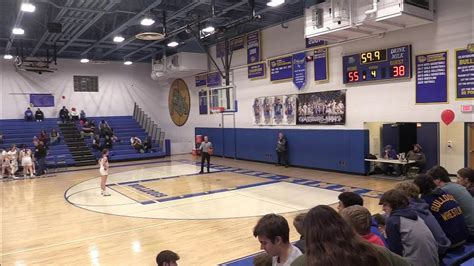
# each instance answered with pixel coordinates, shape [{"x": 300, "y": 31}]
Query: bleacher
[
  {"x": 19, "y": 132},
  {"x": 124, "y": 128}
]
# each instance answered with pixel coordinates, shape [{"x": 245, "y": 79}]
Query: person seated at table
[
  {"x": 418, "y": 156},
  {"x": 39, "y": 116},
  {"x": 28, "y": 114},
  {"x": 389, "y": 154}
]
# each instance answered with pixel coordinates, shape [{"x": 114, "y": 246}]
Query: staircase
[{"x": 79, "y": 151}]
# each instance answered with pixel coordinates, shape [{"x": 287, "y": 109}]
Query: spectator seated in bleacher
[
  {"x": 440, "y": 204},
  {"x": 28, "y": 114},
  {"x": 104, "y": 129},
  {"x": 96, "y": 143},
  {"x": 360, "y": 220},
  {"x": 330, "y": 240},
  {"x": 407, "y": 234},
  {"x": 87, "y": 130},
  {"x": 273, "y": 233},
  {"x": 54, "y": 137},
  {"x": 107, "y": 143},
  {"x": 167, "y": 258},
  {"x": 64, "y": 115},
  {"x": 44, "y": 137},
  {"x": 411, "y": 191},
  {"x": 298, "y": 223},
  {"x": 39, "y": 116},
  {"x": 115, "y": 138},
  {"x": 379, "y": 221},
  {"x": 466, "y": 179},
  {"x": 147, "y": 145},
  {"x": 137, "y": 144},
  {"x": 82, "y": 117},
  {"x": 466, "y": 202},
  {"x": 74, "y": 114}
]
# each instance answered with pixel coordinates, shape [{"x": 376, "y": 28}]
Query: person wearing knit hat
[{"x": 418, "y": 156}]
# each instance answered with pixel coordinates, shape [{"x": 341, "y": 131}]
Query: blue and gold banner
[
  {"x": 200, "y": 80},
  {"x": 465, "y": 74},
  {"x": 299, "y": 70},
  {"x": 214, "y": 79},
  {"x": 256, "y": 71},
  {"x": 313, "y": 42},
  {"x": 431, "y": 77},
  {"x": 281, "y": 68},
  {"x": 237, "y": 43},
  {"x": 203, "y": 109},
  {"x": 253, "y": 47},
  {"x": 321, "y": 65}
]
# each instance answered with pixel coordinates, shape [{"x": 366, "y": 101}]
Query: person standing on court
[
  {"x": 282, "y": 150},
  {"x": 104, "y": 171},
  {"x": 205, "y": 148}
]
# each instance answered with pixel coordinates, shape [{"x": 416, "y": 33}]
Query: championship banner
[
  {"x": 42, "y": 100},
  {"x": 321, "y": 65},
  {"x": 321, "y": 108},
  {"x": 253, "y": 47},
  {"x": 431, "y": 77},
  {"x": 214, "y": 79},
  {"x": 464, "y": 74},
  {"x": 256, "y": 71},
  {"x": 281, "y": 68},
  {"x": 203, "y": 106},
  {"x": 237, "y": 43},
  {"x": 200, "y": 80},
  {"x": 313, "y": 42},
  {"x": 299, "y": 70}
]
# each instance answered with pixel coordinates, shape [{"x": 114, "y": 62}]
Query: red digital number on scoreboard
[
  {"x": 353, "y": 76},
  {"x": 398, "y": 71}
]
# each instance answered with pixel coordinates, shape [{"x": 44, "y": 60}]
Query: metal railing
[{"x": 152, "y": 129}]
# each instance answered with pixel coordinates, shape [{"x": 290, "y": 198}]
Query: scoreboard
[{"x": 383, "y": 64}]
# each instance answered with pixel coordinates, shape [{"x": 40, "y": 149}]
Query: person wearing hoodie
[
  {"x": 461, "y": 195},
  {"x": 411, "y": 191},
  {"x": 445, "y": 209},
  {"x": 407, "y": 234}
]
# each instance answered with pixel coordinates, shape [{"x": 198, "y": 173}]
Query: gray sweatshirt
[{"x": 205, "y": 146}]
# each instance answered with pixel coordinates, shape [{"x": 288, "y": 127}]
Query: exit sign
[{"x": 466, "y": 108}]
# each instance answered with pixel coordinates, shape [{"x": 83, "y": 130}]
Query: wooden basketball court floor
[{"x": 161, "y": 204}]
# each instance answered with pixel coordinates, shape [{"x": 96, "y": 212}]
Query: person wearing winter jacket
[
  {"x": 411, "y": 191},
  {"x": 407, "y": 234}
]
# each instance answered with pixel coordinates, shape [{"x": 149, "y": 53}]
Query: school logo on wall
[{"x": 179, "y": 102}]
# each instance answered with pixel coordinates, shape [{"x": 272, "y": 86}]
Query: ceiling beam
[
  {"x": 123, "y": 26},
  {"x": 18, "y": 19},
  {"x": 88, "y": 25}
]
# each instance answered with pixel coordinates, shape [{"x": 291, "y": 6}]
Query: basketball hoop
[{"x": 217, "y": 110}]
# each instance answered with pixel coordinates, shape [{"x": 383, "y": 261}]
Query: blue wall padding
[{"x": 337, "y": 150}]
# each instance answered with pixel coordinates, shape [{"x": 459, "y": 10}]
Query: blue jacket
[
  {"x": 449, "y": 215},
  {"x": 28, "y": 113},
  {"x": 392, "y": 154},
  {"x": 422, "y": 209},
  {"x": 408, "y": 236}
]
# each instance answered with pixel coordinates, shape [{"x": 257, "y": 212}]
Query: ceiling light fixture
[
  {"x": 173, "y": 44},
  {"x": 208, "y": 29},
  {"x": 128, "y": 62},
  {"x": 274, "y": 3},
  {"x": 84, "y": 60},
  {"x": 8, "y": 56},
  {"x": 27, "y": 7},
  {"x": 119, "y": 39},
  {"x": 147, "y": 21},
  {"x": 18, "y": 31}
]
